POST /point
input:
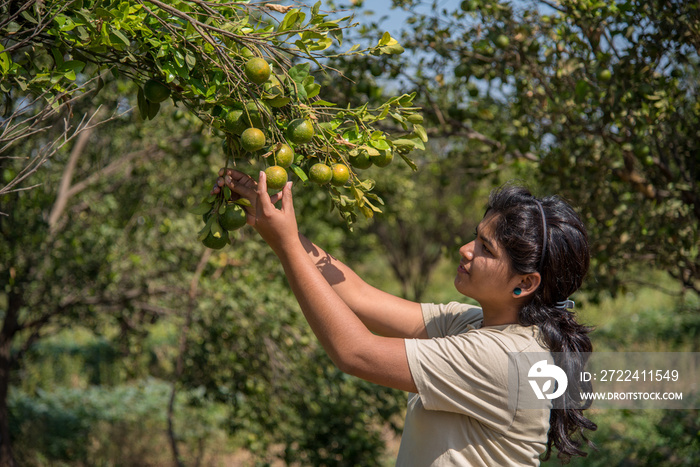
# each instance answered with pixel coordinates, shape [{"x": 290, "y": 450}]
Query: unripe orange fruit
[
  {"x": 361, "y": 161},
  {"x": 276, "y": 177},
  {"x": 320, "y": 173},
  {"x": 257, "y": 70},
  {"x": 155, "y": 91},
  {"x": 384, "y": 158},
  {"x": 253, "y": 139},
  {"x": 341, "y": 174},
  {"x": 284, "y": 156},
  {"x": 233, "y": 218},
  {"x": 210, "y": 241},
  {"x": 300, "y": 131}
]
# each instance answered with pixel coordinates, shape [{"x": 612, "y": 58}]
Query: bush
[{"x": 122, "y": 425}]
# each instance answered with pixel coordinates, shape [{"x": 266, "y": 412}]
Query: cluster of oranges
[{"x": 247, "y": 124}]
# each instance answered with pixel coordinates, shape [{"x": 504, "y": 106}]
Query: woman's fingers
[
  {"x": 240, "y": 183},
  {"x": 286, "y": 196},
  {"x": 264, "y": 202}
]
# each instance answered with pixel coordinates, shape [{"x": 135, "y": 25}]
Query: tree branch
[{"x": 63, "y": 196}]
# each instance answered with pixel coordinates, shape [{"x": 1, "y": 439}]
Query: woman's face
[{"x": 484, "y": 271}]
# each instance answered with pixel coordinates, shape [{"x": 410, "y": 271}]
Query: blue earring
[{"x": 517, "y": 291}]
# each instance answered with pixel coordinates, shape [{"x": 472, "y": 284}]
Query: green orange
[
  {"x": 234, "y": 123},
  {"x": 361, "y": 161},
  {"x": 320, "y": 173},
  {"x": 469, "y": 5},
  {"x": 502, "y": 41},
  {"x": 233, "y": 217},
  {"x": 341, "y": 174},
  {"x": 384, "y": 158},
  {"x": 253, "y": 139},
  {"x": 605, "y": 75},
  {"x": 276, "y": 177},
  {"x": 155, "y": 91},
  {"x": 284, "y": 156},
  {"x": 257, "y": 70},
  {"x": 300, "y": 131},
  {"x": 210, "y": 241}
]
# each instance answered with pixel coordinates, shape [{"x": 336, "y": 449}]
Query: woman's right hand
[
  {"x": 242, "y": 186},
  {"x": 276, "y": 226}
]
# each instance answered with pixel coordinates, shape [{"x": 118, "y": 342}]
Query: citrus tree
[
  {"x": 601, "y": 107},
  {"x": 246, "y": 73},
  {"x": 247, "y": 70},
  {"x": 105, "y": 246}
]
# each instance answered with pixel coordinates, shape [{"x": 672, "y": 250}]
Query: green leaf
[
  {"x": 404, "y": 143},
  {"x": 370, "y": 150},
  {"x": 201, "y": 208},
  {"x": 302, "y": 46},
  {"x": 291, "y": 20},
  {"x": 153, "y": 108},
  {"x": 312, "y": 89},
  {"x": 202, "y": 234},
  {"x": 420, "y": 131},
  {"x": 407, "y": 99},
  {"x": 409, "y": 162},
  {"x": 101, "y": 13},
  {"x": 216, "y": 229},
  {"x": 300, "y": 173},
  {"x": 338, "y": 35},
  {"x": 142, "y": 103},
  {"x": 28, "y": 17},
  {"x": 299, "y": 72},
  {"x": 380, "y": 144},
  {"x": 388, "y": 45},
  {"x": 243, "y": 202},
  {"x": 386, "y": 39},
  {"x": 76, "y": 66},
  {"x": 120, "y": 35},
  {"x": 5, "y": 60},
  {"x": 57, "y": 56},
  {"x": 190, "y": 60}
]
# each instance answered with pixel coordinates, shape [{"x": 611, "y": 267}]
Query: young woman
[{"x": 527, "y": 258}]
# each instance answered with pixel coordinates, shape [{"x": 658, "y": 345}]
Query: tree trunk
[{"x": 9, "y": 329}]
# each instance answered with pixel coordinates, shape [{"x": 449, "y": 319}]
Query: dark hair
[{"x": 562, "y": 266}]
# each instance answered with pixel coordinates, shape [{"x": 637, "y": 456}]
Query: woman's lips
[{"x": 462, "y": 269}]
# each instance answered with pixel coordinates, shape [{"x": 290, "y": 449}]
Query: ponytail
[
  {"x": 547, "y": 236},
  {"x": 569, "y": 343}
]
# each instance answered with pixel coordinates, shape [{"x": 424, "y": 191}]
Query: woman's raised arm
[
  {"x": 348, "y": 342},
  {"x": 383, "y": 313}
]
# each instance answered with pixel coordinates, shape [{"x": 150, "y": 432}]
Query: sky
[{"x": 395, "y": 18}]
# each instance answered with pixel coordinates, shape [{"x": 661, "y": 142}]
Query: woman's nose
[{"x": 467, "y": 251}]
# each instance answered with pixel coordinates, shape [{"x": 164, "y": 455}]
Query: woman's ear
[{"x": 529, "y": 283}]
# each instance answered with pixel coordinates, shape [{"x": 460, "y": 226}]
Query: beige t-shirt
[{"x": 461, "y": 414}]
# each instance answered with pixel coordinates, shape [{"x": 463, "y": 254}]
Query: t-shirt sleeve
[
  {"x": 465, "y": 374},
  {"x": 450, "y": 319}
]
